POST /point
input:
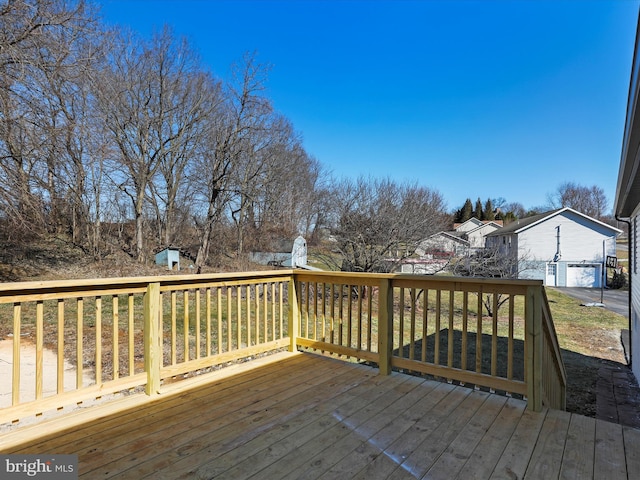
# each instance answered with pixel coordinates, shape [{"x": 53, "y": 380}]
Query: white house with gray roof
[{"x": 563, "y": 248}]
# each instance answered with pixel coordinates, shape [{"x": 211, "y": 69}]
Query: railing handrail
[{"x": 113, "y": 282}]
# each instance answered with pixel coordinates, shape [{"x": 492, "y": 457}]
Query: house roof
[
  {"x": 520, "y": 225},
  {"x": 474, "y": 220},
  {"x": 455, "y": 236},
  {"x": 628, "y": 187},
  {"x": 477, "y": 222},
  {"x": 485, "y": 224}
]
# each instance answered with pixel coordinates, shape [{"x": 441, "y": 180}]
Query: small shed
[
  {"x": 170, "y": 258},
  {"x": 299, "y": 252}
]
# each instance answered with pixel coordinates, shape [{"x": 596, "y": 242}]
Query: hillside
[{"x": 56, "y": 259}]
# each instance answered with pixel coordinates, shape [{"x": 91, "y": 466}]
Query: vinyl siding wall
[
  {"x": 580, "y": 240},
  {"x": 634, "y": 270}
]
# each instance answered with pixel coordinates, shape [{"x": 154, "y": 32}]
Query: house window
[{"x": 551, "y": 269}]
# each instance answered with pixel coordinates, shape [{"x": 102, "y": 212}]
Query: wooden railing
[
  {"x": 79, "y": 340},
  {"x": 113, "y": 335},
  {"x": 488, "y": 333}
]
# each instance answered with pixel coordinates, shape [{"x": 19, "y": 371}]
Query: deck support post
[
  {"x": 294, "y": 315},
  {"x": 152, "y": 338},
  {"x": 385, "y": 326},
  {"x": 533, "y": 347}
]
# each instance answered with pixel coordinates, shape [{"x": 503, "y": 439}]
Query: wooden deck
[{"x": 305, "y": 416}]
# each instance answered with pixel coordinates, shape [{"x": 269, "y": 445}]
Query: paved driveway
[{"x": 615, "y": 300}]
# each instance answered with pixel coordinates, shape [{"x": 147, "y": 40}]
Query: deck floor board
[{"x": 308, "y": 416}]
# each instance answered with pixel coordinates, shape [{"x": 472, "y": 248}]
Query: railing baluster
[
  {"x": 465, "y": 327},
  {"x": 208, "y": 307},
  {"x": 425, "y": 323},
  {"x": 401, "y": 322},
  {"x": 248, "y": 307},
  {"x": 265, "y": 309},
  {"x": 273, "y": 311},
  {"x": 174, "y": 327},
  {"x": 450, "y": 334},
  {"x": 39, "y": 347},
  {"x": 98, "y": 340},
  {"x": 349, "y": 317},
  {"x": 510, "y": 338},
  {"x": 198, "y": 320},
  {"x": 281, "y": 303},
  {"x": 479, "y": 333},
  {"x": 115, "y": 333},
  {"x": 60, "y": 349},
  {"x": 219, "y": 312},
  {"x": 17, "y": 322},
  {"x": 494, "y": 336},
  {"x": 79, "y": 342},
  {"x": 412, "y": 326},
  {"x": 229, "y": 330},
  {"x": 436, "y": 343},
  {"x": 369, "y": 316},
  {"x": 185, "y": 325},
  {"x": 239, "y": 316}
]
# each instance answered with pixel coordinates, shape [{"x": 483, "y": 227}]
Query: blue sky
[{"x": 472, "y": 98}]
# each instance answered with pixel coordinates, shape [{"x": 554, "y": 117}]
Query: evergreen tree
[
  {"x": 509, "y": 217},
  {"x": 478, "y": 213},
  {"x": 467, "y": 211},
  {"x": 488, "y": 211}
]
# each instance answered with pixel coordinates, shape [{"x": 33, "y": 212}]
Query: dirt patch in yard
[{"x": 577, "y": 333}]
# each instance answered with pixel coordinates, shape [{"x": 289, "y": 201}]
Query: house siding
[
  {"x": 581, "y": 241},
  {"x": 532, "y": 269},
  {"x": 477, "y": 236},
  {"x": 635, "y": 294}
]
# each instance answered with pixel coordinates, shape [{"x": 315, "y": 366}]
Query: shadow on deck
[{"x": 306, "y": 416}]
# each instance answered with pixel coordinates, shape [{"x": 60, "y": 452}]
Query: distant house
[
  {"x": 170, "y": 258},
  {"x": 459, "y": 242},
  {"x": 477, "y": 235},
  {"x": 443, "y": 244},
  {"x": 627, "y": 204},
  {"x": 562, "y": 248}
]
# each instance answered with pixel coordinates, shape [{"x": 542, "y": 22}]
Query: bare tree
[
  {"x": 493, "y": 261},
  {"x": 43, "y": 56},
  {"x": 212, "y": 168},
  {"x": 152, "y": 108},
  {"x": 235, "y": 138},
  {"x": 591, "y": 201},
  {"x": 378, "y": 223}
]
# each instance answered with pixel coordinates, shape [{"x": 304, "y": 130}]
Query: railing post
[
  {"x": 533, "y": 340},
  {"x": 152, "y": 338},
  {"x": 385, "y": 326},
  {"x": 294, "y": 315}
]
